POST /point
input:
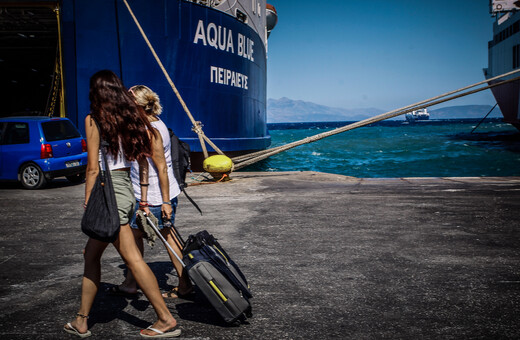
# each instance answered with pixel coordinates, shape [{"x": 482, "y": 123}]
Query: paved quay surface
[{"x": 327, "y": 257}]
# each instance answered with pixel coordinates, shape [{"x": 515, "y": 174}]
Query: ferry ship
[
  {"x": 418, "y": 115},
  {"x": 214, "y": 51},
  {"x": 504, "y": 56}
]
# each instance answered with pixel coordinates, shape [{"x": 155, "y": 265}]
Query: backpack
[{"x": 180, "y": 153}]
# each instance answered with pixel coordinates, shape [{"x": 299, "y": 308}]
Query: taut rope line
[
  {"x": 197, "y": 126},
  {"x": 484, "y": 118},
  {"x": 243, "y": 161},
  {"x": 412, "y": 107}
]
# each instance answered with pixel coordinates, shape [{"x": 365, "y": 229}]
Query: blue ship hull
[{"x": 221, "y": 77}]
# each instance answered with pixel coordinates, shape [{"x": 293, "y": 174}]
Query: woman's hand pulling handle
[{"x": 167, "y": 210}]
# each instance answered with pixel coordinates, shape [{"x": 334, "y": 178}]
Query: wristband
[
  {"x": 144, "y": 184},
  {"x": 141, "y": 204},
  {"x": 169, "y": 203}
]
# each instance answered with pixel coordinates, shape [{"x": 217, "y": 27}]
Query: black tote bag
[{"x": 101, "y": 218}]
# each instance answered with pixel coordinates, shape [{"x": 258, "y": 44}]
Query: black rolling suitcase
[{"x": 215, "y": 274}]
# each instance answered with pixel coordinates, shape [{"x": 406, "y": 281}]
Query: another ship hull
[
  {"x": 504, "y": 56},
  {"x": 507, "y": 98}
]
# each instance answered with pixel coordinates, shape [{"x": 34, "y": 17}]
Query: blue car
[{"x": 34, "y": 150}]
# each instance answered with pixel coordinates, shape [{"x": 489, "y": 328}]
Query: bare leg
[
  {"x": 125, "y": 245},
  {"x": 129, "y": 285},
  {"x": 90, "y": 284},
  {"x": 185, "y": 285}
]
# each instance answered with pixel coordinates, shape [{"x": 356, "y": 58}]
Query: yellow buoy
[{"x": 218, "y": 165}]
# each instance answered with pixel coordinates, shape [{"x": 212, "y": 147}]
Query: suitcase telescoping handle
[
  {"x": 156, "y": 230},
  {"x": 169, "y": 224}
]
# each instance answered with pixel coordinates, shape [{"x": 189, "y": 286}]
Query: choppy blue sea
[{"x": 397, "y": 149}]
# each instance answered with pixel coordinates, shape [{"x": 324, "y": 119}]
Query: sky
[{"x": 376, "y": 53}]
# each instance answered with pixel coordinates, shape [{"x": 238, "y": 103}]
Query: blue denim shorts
[{"x": 156, "y": 211}]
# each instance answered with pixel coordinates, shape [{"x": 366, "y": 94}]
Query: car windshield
[{"x": 59, "y": 130}]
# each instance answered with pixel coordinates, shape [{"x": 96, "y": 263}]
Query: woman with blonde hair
[
  {"x": 117, "y": 119},
  {"x": 153, "y": 199}
]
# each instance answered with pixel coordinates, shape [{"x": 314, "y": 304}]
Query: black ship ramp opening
[{"x": 28, "y": 56}]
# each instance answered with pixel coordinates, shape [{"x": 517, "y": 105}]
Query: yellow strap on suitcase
[{"x": 220, "y": 294}]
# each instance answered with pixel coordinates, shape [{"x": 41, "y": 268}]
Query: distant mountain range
[{"x": 285, "y": 110}]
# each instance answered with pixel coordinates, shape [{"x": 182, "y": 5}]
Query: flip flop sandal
[
  {"x": 174, "y": 294},
  {"x": 74, "y": 331},
  {"x": 172, "y": 333}
]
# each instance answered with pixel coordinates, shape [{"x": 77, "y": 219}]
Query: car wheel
[
  {"x": 77, "y": 178},
  {"x": 32, "y": 176}
]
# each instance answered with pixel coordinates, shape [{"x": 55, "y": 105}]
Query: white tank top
[
  {"x": 154, "y": 196},
  {"x": 118, "y": 162}
]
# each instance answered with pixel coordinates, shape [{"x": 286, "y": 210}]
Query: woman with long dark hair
[
  {"x": 123, "y": 124},
  {"x": 156, "y": 197}
]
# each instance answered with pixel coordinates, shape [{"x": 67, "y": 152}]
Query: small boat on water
[{"x": 417, "y": 115}]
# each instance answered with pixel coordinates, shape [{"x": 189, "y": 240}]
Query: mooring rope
[
  {"x": 245, "y": 160},
  {"x": 197, "y": 125},
  {"x": 484, "y": 118},
  {"x": 411, "y": 107}
]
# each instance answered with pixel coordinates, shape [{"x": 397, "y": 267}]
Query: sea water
[{"x": 400, "y": 149}]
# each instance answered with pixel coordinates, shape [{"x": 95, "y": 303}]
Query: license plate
[{"x": 71, "y": 164}]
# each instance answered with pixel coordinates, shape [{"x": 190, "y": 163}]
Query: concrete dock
[{"x": 327, "y": 257}]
